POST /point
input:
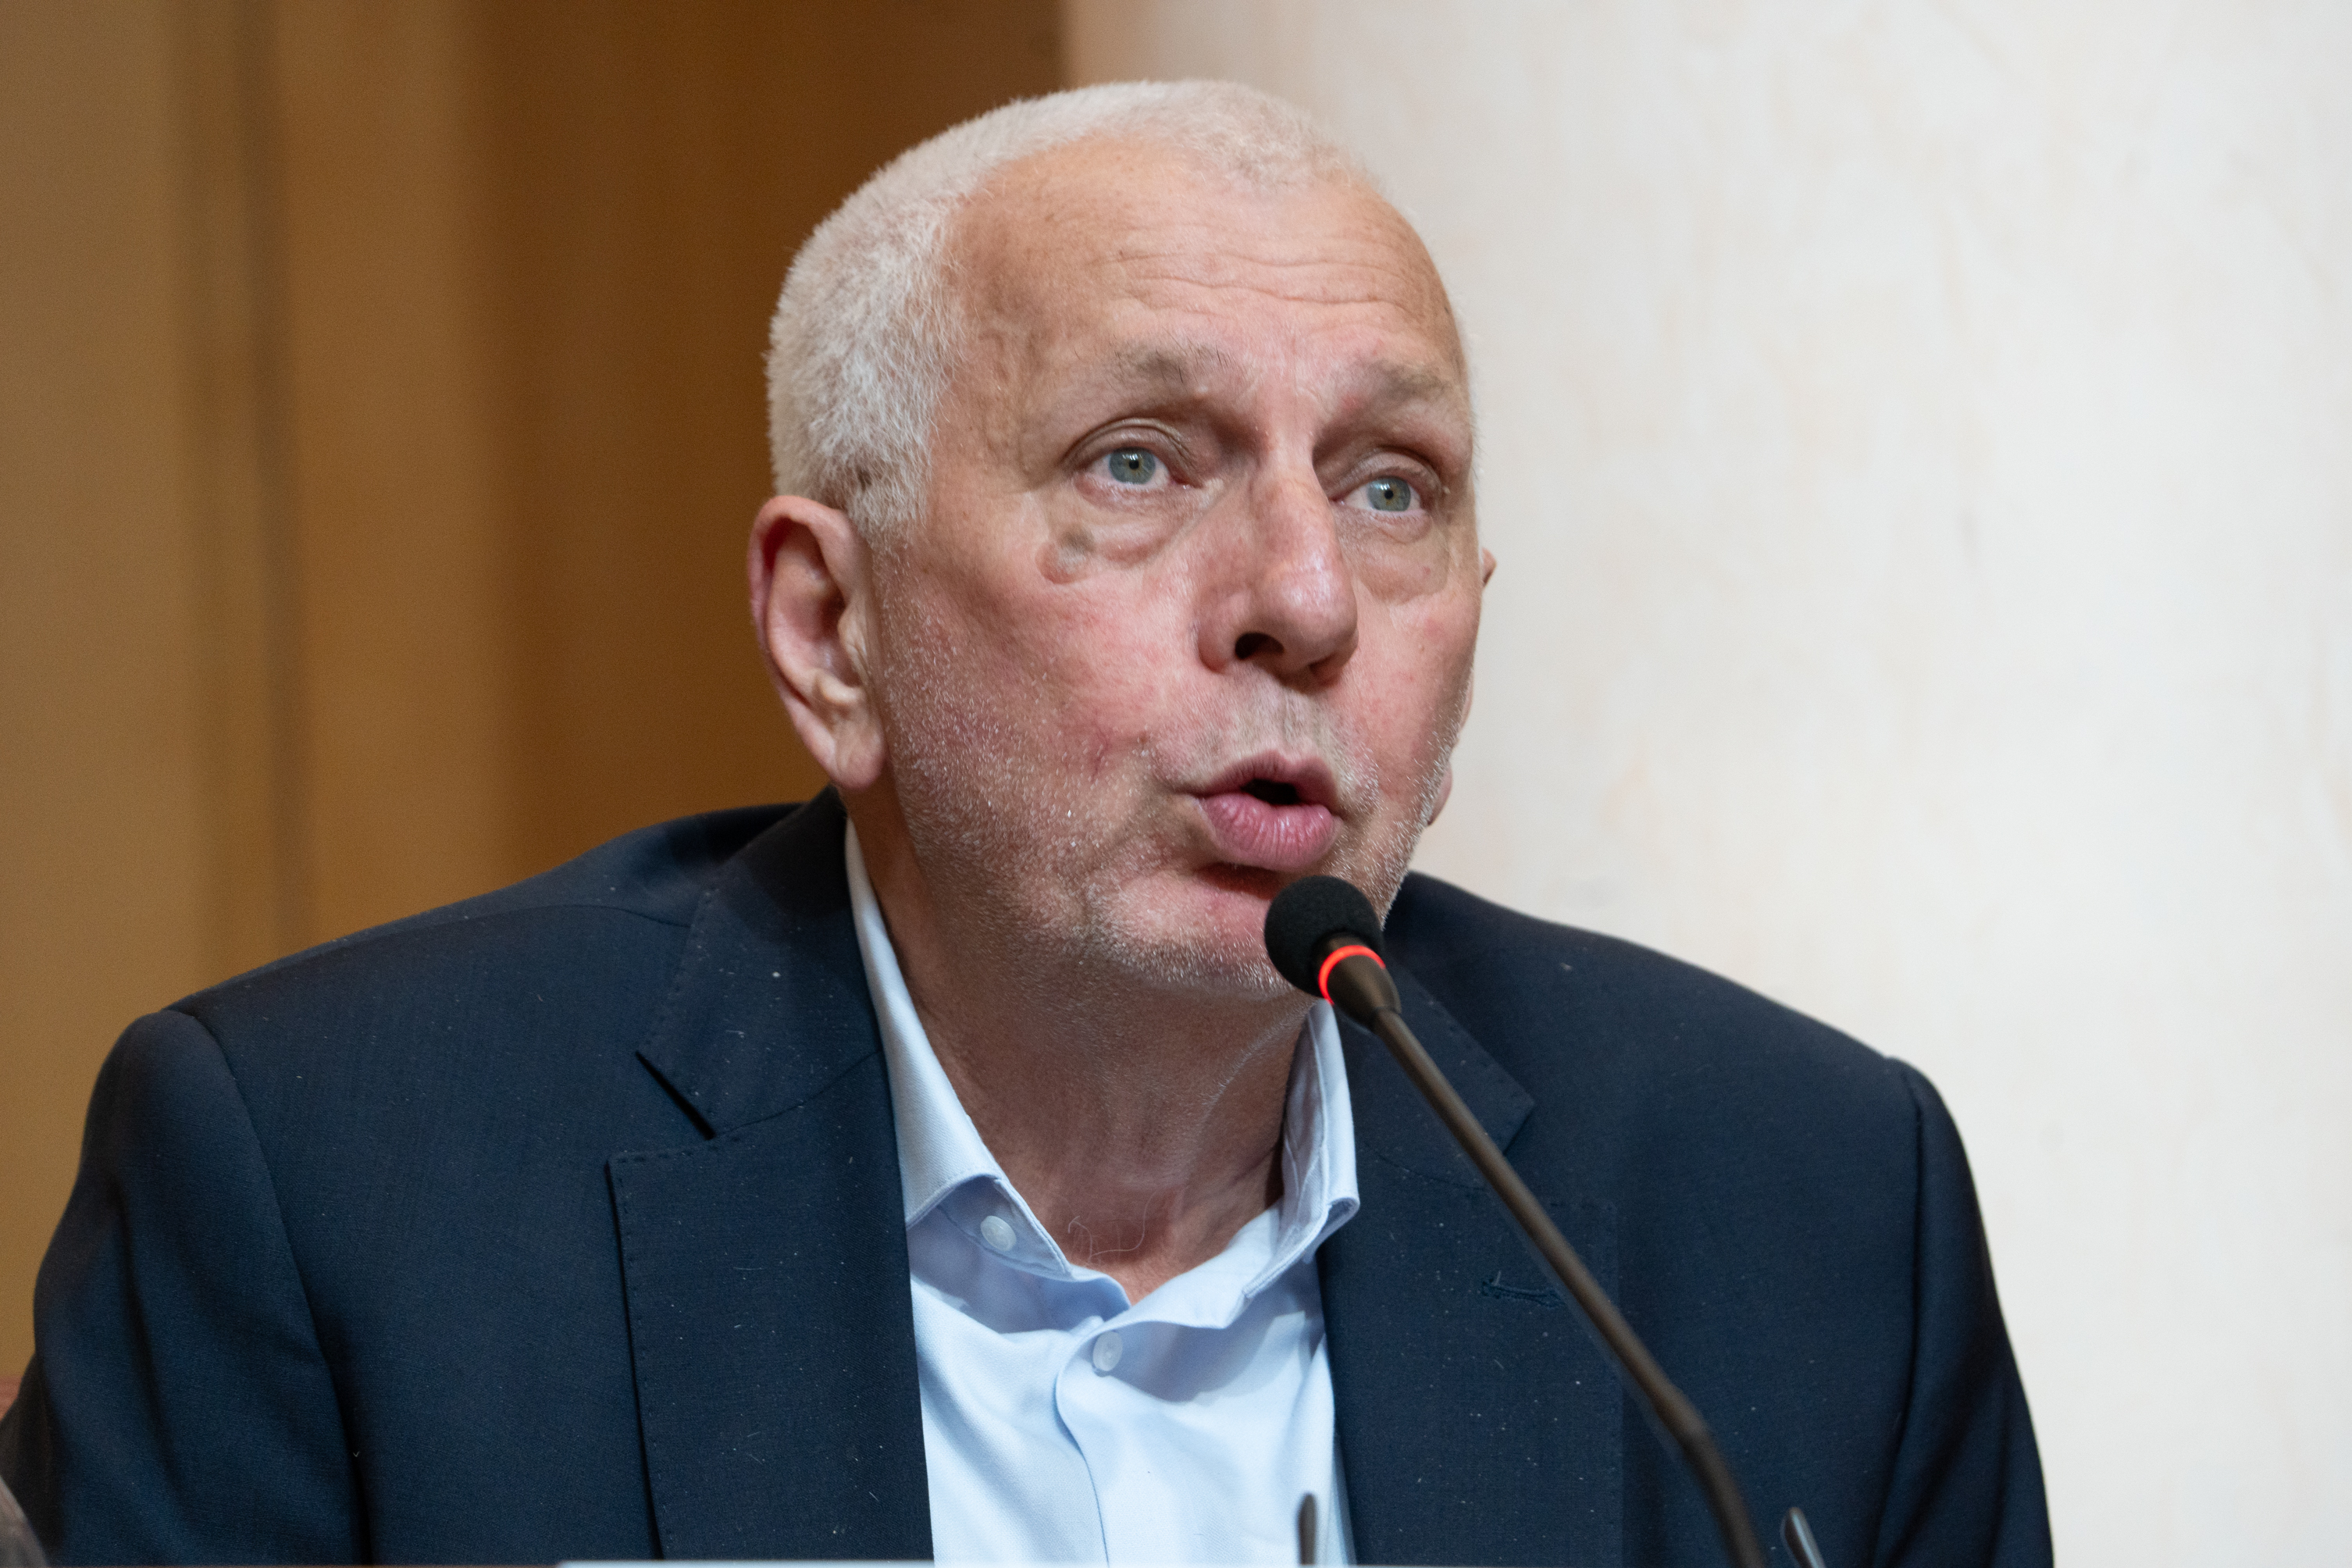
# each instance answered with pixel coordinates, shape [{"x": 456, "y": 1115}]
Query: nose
[{"x": 1282, "y": 596}]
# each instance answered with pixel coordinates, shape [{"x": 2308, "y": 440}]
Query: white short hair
[{"x": 866, "y": 333}]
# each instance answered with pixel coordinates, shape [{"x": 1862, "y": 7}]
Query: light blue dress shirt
[{"x": 1060, "y": 1423}]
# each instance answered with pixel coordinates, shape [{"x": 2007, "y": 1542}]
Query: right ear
[{"x": 811, "y": 604}]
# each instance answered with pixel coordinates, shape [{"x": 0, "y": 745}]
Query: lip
[{"x": 1288, "y": 837}]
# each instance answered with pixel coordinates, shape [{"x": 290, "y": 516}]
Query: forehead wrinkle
[
  {"x": 1371, "y": 280},
  {"x": 1398, "y": 287}
]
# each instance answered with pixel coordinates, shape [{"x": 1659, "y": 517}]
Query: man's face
[{"x": 1190, "y": 610}]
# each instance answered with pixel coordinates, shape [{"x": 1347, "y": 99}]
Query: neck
[{"x": 1142, "y": 1126}]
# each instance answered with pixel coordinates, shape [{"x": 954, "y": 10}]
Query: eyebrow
[
  {"x": 1398, "y": 381},
  {"x": 1171, "y": 369}
]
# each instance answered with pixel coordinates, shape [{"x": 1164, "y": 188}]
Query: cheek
[
  {"x": 1097, "y": 669},
  {"x": 1420, "y": 668},
  {"x": 1067, "y": 681},
  {"x": 1393, "y": 574}
]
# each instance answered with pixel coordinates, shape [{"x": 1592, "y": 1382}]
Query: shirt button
[
  {"x": 997, "y": 1232},
  {"x": 1107, "y": 1349}
]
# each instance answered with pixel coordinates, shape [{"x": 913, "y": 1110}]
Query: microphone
[{"x": 1323, "y": 938}]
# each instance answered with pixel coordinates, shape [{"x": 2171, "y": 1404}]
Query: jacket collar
[
  {"x": 1409, "y": 1133},
  {"x": 769, "y": 1004}
]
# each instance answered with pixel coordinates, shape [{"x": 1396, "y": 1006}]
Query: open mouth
[
  {"x": 1271, "y": 813},
  {"x": 1274, "y": 792}
]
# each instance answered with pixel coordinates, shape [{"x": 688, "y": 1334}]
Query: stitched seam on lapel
[
  {"x": 636, "y": 1338},
  {"x": 738, "y": 1133},
  {"x": 724, "y": 1086},
  {"x": 689, "y": 962},
  {"x": 638, "y": 1332},
  {"x": 1474, "y": 1184},
  {"x": 1492, "y": 1077}
]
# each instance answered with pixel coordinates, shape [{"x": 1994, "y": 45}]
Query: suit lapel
[
  {"x": 766, "y": 1267},
  {"x": 1478, "y": 1422}
]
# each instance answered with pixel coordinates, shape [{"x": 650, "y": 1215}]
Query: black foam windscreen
[{"x": 1303, "y": 919}]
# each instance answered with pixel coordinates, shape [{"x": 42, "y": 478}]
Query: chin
[{"x": 1212, "y": 946}]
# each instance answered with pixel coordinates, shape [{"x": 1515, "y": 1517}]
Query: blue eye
[
  {"x": 1388, "y": 495},
  {"x": 1132, "y": 466}
]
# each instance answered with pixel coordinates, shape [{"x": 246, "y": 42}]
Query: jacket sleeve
[
  {"x": 1966, "y": 1482},
  {"x": 178, "y": 1407}
]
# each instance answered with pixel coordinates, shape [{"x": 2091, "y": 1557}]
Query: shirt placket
[{"x": 1109, "y": 1420}]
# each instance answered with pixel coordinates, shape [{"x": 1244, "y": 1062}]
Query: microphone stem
[{"x": 1675, "y": 1413}]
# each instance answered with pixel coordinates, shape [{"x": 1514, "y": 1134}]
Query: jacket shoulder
[
  {"x": 1603, "y": 1021},
  {"x": 599, "y": 930},
  {"x": 658, "y": 873}
]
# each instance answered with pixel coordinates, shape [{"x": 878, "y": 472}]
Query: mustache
[{"x": 1299, "y": 743}]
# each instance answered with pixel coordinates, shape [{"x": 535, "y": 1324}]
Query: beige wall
[
  {"x": 380, "y": 424},
  {"x": 1918, "y": 441}
]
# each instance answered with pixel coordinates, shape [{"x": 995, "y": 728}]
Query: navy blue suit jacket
[{"x": 565, "y": 1223}]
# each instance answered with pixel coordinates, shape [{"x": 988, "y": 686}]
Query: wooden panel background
[{"x": 380, "y": 425}]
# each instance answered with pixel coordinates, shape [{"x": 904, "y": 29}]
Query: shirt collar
[{"x": 941, "y": 1151}]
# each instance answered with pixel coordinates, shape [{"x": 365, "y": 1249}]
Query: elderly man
[{"x": 939, "y": 1167}]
